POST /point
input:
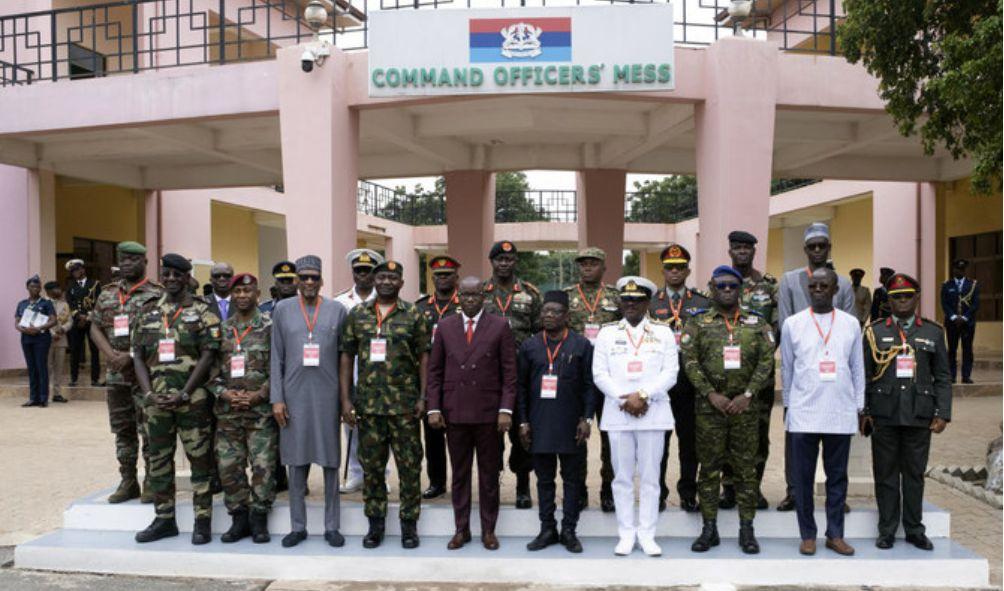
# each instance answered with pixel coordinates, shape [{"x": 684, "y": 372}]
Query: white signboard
[{"x": 521, "y": 50}]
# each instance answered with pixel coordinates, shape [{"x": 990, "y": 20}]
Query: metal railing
[
  {"x": 130, "y": 36},
  {"x": 414, "y": 209},
  {"x": 535, "y": 206}
]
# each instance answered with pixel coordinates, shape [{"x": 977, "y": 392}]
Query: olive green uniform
[{"x": 435, "y": 439}]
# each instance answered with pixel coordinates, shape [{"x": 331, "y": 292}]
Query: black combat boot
[
  {"x": 160, "y": 528},
  {"x": 747, "y": 539},
  {"x": 202, "y": 533},
  {"x": 548, "y": 536},
  {"x": 259, "y": 527},
  {"x": 523, "y": 499},
  {"x": 239, "y": 529},
  {"x": 708, "y": 538},
  {"x": 570, "y": 541},
  {"x": 374, "y": 537},
  {"x": 409, "y": 534},
  {"x": 128, "y": 488},
  {"x": 728, "y": 498}
]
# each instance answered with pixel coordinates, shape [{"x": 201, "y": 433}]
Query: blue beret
[{"x": 726, "y": 270}]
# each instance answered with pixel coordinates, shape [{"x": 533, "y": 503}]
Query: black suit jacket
[
  {"x": 214, "y": 306},
  {"x": 81, "y": 299},
  {"x": 964, "y": 302}
]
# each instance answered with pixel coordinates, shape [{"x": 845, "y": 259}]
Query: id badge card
[
  {"x": 827, "y": 371},
  {"x": 905, "y": 365},
  {"x": 120, "y": 325},
  {"x": 678, "y": 335},
  {"x": 435, "y": 327},
  {"x": 165, "y": 350},
  {"x": 635, "y": 369},
  {"x": 732, "y": 356},
  {"x": 378, "y": 350},
  {"x": 548, "y": 386},
  {"x": 590, "y": 331},
  {"x": 237, "y": 366},
  {"x": 311, "y": 355}
]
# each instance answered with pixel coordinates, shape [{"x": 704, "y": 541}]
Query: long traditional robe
[{"x": 310, "y": 393}]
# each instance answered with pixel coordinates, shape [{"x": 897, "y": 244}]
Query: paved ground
[{"x": 63, "y": 452}]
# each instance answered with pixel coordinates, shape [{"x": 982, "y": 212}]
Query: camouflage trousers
[
  {"x": 379, "y": 435},
  {"x": 192, "y": 423},
  {"x": 125, "y": 414},
  {"x": 242, "y": 438},
  {"x": 765, "y": 399},
  {"x": 731, "y": 439}
]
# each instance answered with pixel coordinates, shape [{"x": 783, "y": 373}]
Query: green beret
[{"x": 130, "y": 247}]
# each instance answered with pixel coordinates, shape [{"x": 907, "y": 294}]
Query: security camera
[{"x": 307, "y": 60}]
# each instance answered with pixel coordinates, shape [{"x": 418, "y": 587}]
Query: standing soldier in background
[
  {"x": 675, "y": 304},
  {"x": 960, "y": 300},
  {"x": 57, "y": 352},
  {"x": 175, "y": 341},
  {"x": 246, "y": 432},
  {"x": 81, "y": 294},
  {"x": 759, "y": 295},
  {"x": 880, "y": 299},
  {"x": 519, "y": 303},
  {"x": 117, "y": 309},
  {"x": 729, "y": 354},
  {"x": 862, "y": 296},
  {"x": 908, "y": 397},
  {"x": 390, "y": 340},
  {"x": 361, "y": 261},
  {"x": 442, "y": 303},
  {"x": 591, "y": 305},
  {"x": 284, "y": 273}
]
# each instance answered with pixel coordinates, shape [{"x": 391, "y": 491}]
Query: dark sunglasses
[
  {"x": 675, "y": 267},
  {"x": 726, "y": 286},
  {"x": 306, "y": 278},
  {"x": 902, "y": 296},
  {"x": 222, "y": 275}
]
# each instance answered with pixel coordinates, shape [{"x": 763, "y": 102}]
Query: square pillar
[
  {"x": 927, "y": 245},
  {"x": 470, "y": 219},
  {"x": 401, "y": 248},
  {"x": 734, "y": 147},
  {"x": 14, "y": 265},
  {"x": 320, "y": 162},
  {"x": 599, "y": 205},
  {"x": 152, "y": 232},
  {"x": 42, "y": 223}
]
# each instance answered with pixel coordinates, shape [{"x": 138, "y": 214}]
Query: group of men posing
[{"x": 269, "y": 384}]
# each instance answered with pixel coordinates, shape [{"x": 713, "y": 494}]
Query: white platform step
[
  {"x": 94, "y": 513},
  {"x": 779, "y": 563}
]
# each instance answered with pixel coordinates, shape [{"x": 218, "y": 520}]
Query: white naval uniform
[{"x": 636, "y": 443}]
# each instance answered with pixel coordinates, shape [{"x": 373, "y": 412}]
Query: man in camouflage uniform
[
  {"x": 759, "y": 295},
  {"x": 116, "y": 310},
  {"x": 729, "y": 353},
  {"x": 675, "y": 304},
  {"x": 175, "y": 341},
  {"x": 391, "y": 341},
  {"x": 441, "y": 304},
  {"x": 519, "y": 302},
  {"x": 591, "y": 305},
  {"x": 246, "y": 432}
]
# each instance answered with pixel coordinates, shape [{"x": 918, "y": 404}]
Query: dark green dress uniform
[
  {"x": 249, "y": 436},
  {"x": 722, "y": 438},
  {"x": 592, "y": 308},
  {"x": 433, "y": 311},
  {"x": 385, "y": 398},
  {"x": 193, "y": 328},
  {"x": 115, "y": 314},
  {"x": 676, "y": 309},
  {"x": 902, "y": 408}
]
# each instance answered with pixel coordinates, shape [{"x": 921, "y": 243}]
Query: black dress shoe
[
  {"x": 662, "y": 505},
  {"x": 727, "y": 500},
  {"x": 690, "y": 505},
  {"x": 334, "y": 538},
  {"x": 158, "y": 530},
  {"x": 761, "y": 503},
  {"x": 433, "y": 491},
  {"x": 523, "y": 500},
  {"x": 42, "y": 405},
  {"x": 847, "y": 508},
  {"x": 293, "y": 538},
  {"x": 607, "y": 505},
  {"x": 72, "y": 384},
  {"x": 920, "y": 540},
  {"x": 58, "y": 398},
  {"x": 885, "y": 542},
  {"x": 570, "y": 541},
  {"x": 787, "y": 504},
  {"x": 546, "y": 537},
  {"x": 30, "y": 403},
  {"x": 968, "y": 381}
]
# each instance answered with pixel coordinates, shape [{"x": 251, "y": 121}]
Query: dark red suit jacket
[{"x": 470, "y": 383}]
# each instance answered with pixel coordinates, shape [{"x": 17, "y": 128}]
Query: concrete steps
[{"x": 76, "y": 393}]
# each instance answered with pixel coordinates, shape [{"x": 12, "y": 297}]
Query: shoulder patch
[{"x": 530, "y": 287}]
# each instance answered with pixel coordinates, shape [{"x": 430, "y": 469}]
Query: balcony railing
[{"x": 130, "y": 36}]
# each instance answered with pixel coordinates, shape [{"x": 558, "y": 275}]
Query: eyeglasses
[
  {"x": 726, "y": 286},
  {"x": 902, "y": 296},
  {"x": 309, "y": 278},
  {"x": 675, "y": 266},
  {"x": 222, "y": 275}
]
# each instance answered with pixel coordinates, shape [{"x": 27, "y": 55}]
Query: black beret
[
  {"x": 856, "y": 271},
  {"x": 502, "y": 246},
  {"x": 51, "y": 284},
  {"x": 175, "y": 261},
  {"x": 961, "y": 263},
  {"x": 742, "y": 237},
  {"x": 556, "y": 296}
]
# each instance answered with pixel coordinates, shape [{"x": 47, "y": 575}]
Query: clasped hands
[
  {"x": 729, "y": 406},
  {"x": 169, "y": 400},
  {"x": 634, "y": 404},
  {"x": 436, "y": 421},
  {"x": 243, "y": 399},
  {"x": 582, "y": 431}
]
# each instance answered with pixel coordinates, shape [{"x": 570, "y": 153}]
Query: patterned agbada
[
  {"x": 520, "y": 307},
  {"x": 589, "y": 306},
  {"x": 722, "y": 438},
  {"x": 245, "y": 436},
  {"x": 194, "y": 329},
  {"x": 122, "y": 299}
]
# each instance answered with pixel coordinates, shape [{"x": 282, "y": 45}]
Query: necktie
[
  {"x": 223, "y": 308},
  {"x": 676, "y": 297},
  {"x": 470, "y": 330}
]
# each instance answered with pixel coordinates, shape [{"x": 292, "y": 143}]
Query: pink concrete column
[
  {"x": 734, "y": 147},
  {"x": 152, "y": 232},
  {"x": 14, "y": 265},
  {"x": 401, "y": 248},
  {"x": 911, "y": 247},
  {"x": 470, "y": 219},
  {"x": 42, "y": 223},
  {"x": 320, "y": 162},
  {"x": 600, "y": 208},
  {"x": 928, "y": 249}
]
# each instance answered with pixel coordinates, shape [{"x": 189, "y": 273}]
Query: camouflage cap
[{"x": 591, "y": 252}]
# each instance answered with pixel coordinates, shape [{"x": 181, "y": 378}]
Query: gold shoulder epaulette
[{"x": 530, "y": 287}]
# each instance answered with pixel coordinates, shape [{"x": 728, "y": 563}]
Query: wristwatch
[
  {"x": 748, "y": 394},
  {"x": 588, "y": 421},
  {"x": 184, "y": 396},
  {"x": 643, "y": 395}
]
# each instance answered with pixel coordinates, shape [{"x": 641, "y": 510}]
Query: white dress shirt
[
  {"x": 613, "y": 355},
  {"x": 814, "y": 405},
  {"x": 477, "y": 317},
  {"x": 350, "y": 298}
]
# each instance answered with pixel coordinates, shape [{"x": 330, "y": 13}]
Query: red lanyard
[
  {"x": 168, "y": 326},
  {"x": 826, "y": 338},
  {"x": 676, "y": 311},
  {"x": 240, "y": 337},
  {"x": 124, "y": 299},
  {"x": 381, "y": 317},
  {"x": 508, "y": 302},
  {"x": 441, "y": 311},
  {"x": 585, "y": 302},
  {"x": 552, "y": 356},
  {"x": 902, "y": 335},
  {"x": 310, "y": 323},
  {"x": 637, "y": 345},
  {"x": 730, "y": 327}
]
